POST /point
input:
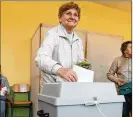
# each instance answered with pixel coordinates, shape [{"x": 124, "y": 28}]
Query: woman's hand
[
  {"x": 67, "y": 74},
  {"x": 120, "y": 82}
]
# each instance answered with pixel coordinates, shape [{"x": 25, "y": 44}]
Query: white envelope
[{"x": 84, "y": 75}]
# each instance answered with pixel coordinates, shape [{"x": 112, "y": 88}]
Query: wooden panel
[
  {"x": 83, "y": 35},
  {"x": 35, "y": 73},
  {"x": 101, "y": 51},
  {"x": 44, "y": 29}
]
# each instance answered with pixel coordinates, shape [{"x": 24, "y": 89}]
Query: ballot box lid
[{"x": 79, "y": 93}]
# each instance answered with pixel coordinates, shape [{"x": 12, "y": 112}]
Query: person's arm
[
  {"x": 112, "y": 71},
  {"x": 44, "y": 55},
  {"x": 6, "y": 84}
]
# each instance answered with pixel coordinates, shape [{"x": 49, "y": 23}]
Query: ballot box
[{"x": 80, "y": 99}]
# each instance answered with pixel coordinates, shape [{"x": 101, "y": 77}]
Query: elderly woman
[
  {"x": 61, "y": 48},
  {"x": 121, "y": 66}
]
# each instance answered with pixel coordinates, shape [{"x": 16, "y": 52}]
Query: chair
[{"x": 20, "y": 89}]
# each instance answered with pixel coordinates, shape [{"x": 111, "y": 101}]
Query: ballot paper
[{"x": 84, "y": 75}]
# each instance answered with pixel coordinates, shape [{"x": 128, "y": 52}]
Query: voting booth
[{"x": 80, "y": 99}]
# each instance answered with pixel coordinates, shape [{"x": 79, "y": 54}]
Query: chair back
[
  {"x": 21, "y": 88},
  {"x": 19, "y": 92}
]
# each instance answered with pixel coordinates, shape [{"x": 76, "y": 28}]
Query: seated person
[{"x": 4, "y": 90}]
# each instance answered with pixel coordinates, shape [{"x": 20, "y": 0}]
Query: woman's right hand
[
  {"x": 120, "y": 82},
  {"x": 67, "y": 74}
]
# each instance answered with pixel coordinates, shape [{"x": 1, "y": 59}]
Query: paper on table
[{"x": 84, "y": 75}]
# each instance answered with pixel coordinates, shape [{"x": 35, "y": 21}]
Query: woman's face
[
  {"x": 129, "y": 49},
  {"x": 69, "y": 19}
]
